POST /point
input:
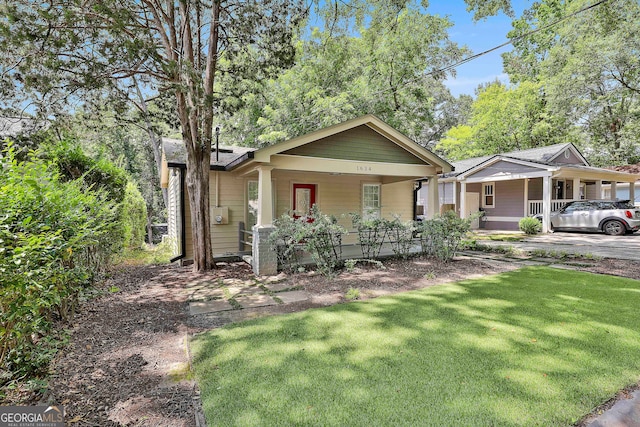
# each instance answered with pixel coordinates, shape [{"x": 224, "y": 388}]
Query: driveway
[{"x": 600, "y": 245}]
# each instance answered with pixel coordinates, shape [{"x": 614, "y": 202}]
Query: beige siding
[
  {"x": 360, "y": 143},
  {"x": 335, "y": 195},
  {"x": 174, "y": 222},
  {"x": 397, "y": 200},
  {"x": 224, "y": 237}
]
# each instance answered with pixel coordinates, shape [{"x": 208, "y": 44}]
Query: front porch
[{"x": 505, "y": 200}]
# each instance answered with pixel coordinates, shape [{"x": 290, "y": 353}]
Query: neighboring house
[
  {"x": 622, "y": 189},
  {"x": 507, "y": 187},
  {"x": 362, "y": 165}
]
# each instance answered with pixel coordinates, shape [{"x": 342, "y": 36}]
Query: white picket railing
[{"x": 535, "y": 206}]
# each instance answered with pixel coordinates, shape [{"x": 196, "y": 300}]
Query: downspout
[
  {"x": 415, "y": 198},
  {"x": 183, "y": 238}
]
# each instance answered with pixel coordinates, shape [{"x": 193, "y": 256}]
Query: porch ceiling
[{"x": 587, "y": 173}]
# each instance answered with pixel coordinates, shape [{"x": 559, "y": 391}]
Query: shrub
[
  {"x": 441, "y": 236},
  {"x": 50, "y": 232},
  {"x": 318, "y": 234},
  {"x": 530, "y": 226},
  {"x": 371, "y": 234},
  {"x": 133, "y": 217},
  {"x": 400, "y": 236}
]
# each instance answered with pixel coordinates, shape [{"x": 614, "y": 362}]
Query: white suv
[{"x": 614, "y": 217}]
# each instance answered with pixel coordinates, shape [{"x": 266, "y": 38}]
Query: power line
[
  {"x": 511, "y": 41},
  {"x": 475, "y": 56}
]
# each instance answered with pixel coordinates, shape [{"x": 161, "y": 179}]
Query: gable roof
[
  {"x": 370, "y": 121},
  {"x": 542, "y": 155},
  {"x": 231, "y": 157}
]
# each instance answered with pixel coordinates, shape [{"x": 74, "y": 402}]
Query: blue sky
[{"x": 478, "y": 36}]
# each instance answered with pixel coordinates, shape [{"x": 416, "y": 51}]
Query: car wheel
[{"x": 614, "y": 228}]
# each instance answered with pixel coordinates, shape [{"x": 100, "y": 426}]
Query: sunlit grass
[
  {"x": 145, "y": 255},
  {"x": 538, "y": 346}
]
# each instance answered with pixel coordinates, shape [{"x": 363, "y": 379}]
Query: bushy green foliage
[
  {"x": 441, "y": 236},
  {"x": 318, "y": 234},
  {"x": 530, "y": 226},
  {"x": 133, "y": 217},
  {"x": 52, "y": 236},
  {"x": 98, "y": 175}
]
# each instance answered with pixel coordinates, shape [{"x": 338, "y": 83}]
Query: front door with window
[{"x": 304, "y": 197}]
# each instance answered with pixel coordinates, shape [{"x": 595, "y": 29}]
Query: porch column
[
  {"x": 264, "y": 258},
  {"x": 614, "y": 190},
  {"x": 265, "y": 196},
  {"x": 599, "y": 190},
  {"x": 433, "y": 197},
  {"x": 576, "y": 189},
  {"x": 632, "y": 192},
  {"x": 526, "y": 197},
  {"x": 463, "y": 202},
  {"x": 546, "y": 203},
  {"x": 455, "y": 196}
]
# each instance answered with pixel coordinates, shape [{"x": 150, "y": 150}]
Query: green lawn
[{"x": 537, "y": 346}]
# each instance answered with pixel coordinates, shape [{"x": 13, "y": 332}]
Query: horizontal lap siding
[
  {"x": 361, "y": 143},
  {"x": 335, "y": 195},
  {"x": 509, "y": 199},
  {"x": 397, "y": 199},
  {"x": 224, "y": 237},
  {"x": 535, "y": 189},
  {"x": 174, "y": 222}
]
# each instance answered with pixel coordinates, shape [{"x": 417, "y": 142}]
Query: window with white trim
[
  {"x": 488, "y": 195},
  {"x": 371, "y": 201}
]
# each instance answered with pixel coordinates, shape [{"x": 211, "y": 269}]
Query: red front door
[{"x": 304, "y": 197}]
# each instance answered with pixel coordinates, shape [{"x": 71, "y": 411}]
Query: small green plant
[
  {"x": 352, "y": 294},
  {"x": 530, "y": 226}
]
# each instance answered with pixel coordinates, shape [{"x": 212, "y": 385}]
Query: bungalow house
[
  {"x": 622, "y": 189},
  {"x": 507, "y": 187},
  {"x": 362, "y": 165}
]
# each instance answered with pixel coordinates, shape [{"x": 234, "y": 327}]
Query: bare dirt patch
[{"x": 126, "y": 363}]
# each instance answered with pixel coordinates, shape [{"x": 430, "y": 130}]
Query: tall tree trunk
[{"x": 197, "y": 180}]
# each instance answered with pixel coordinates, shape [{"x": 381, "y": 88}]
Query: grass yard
[{"x": 537, "y": 346}]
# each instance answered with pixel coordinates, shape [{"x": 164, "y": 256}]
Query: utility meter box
[{"x": 220, "y": 215}]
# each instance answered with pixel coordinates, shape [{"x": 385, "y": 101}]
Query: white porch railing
[{"x": 535, "y": 206}]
